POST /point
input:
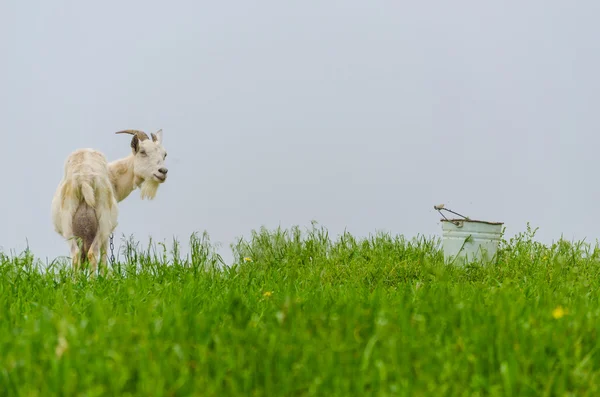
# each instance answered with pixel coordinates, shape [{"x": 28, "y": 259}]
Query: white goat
[{"x": 85, "y": 203}]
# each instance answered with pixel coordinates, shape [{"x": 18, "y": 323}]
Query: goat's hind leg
[
  {"x": 75, "y": 253},
  {"x": 98, "y": 256},
  {"x": 107, "y": 223},
  {"x": 94, "y": 255},
  {"x": 103, "y": 257},
  {"x": 74, "y": 242}
]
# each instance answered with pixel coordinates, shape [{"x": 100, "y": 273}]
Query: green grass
[{"x": 308, "y": 315}]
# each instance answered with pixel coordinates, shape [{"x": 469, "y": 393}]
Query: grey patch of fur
[{"x": 85, "y": 226}]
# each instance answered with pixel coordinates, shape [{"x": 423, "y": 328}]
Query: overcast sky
[{"x": 360, "y": 115}]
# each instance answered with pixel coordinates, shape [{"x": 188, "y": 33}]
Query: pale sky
[{"x": 360, "y": 115}]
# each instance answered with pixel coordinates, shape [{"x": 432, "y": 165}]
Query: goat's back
[{"x": 86, "y": 164}]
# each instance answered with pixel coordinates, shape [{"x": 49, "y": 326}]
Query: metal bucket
[{"x": 466, "y": 240}]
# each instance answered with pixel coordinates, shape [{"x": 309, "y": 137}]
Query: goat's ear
[
  {"x": 157, "y": 137},
  {"x": 135, "y": 144}
]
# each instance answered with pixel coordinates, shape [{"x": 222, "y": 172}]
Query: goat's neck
[{"x": 122, "y": 177}]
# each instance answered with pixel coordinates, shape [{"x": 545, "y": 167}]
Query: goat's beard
[{"x": 148, "y": 189}]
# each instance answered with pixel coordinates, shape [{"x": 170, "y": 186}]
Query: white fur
[{"x": 89, "y": 177}]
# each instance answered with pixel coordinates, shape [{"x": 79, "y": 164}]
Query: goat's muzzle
[{"x": 161, "y": 175}]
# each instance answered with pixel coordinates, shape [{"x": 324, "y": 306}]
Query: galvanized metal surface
[{"x": 467, "y": 240}]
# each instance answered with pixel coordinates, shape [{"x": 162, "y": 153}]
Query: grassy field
[{"x": 304, "y": 313}]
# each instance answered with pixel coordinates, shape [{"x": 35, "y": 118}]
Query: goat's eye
[{"x": 143, "y": 152}]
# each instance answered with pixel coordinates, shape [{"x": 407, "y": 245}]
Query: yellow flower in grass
[
  {"x": 247, "y": 259},
  {"x": 559, "y": 312},
  {"x": 267, "y": 294}
]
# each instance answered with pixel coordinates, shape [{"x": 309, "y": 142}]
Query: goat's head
[{"x": 149, "y": 160}]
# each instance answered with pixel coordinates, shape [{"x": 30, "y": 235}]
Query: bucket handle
[{"x": 441, "y": 207}]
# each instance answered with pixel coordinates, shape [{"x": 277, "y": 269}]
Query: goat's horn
[{"x": 140, "y": 134}]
